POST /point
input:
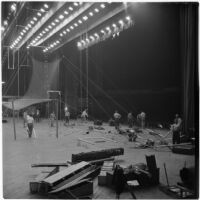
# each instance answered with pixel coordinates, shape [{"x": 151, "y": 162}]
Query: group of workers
[{"x": 130, "y": 119}]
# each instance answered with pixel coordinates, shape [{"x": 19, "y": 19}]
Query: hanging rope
[{"x": 100, "y": 89}]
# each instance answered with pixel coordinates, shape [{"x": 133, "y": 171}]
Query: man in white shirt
[
  {"x": 84, "y": 115},
  {"x": 117, "y": 117},
  {"x": 30, "y": 125}
]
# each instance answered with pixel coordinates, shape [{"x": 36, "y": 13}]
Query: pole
[
  {"x": 57, "y": 118},
  {"x": 18, "y": 77},
  {"x": 14, "y": 119},
  {"x": 87, "y": 77},
  {"x": 166, "y": 175}
]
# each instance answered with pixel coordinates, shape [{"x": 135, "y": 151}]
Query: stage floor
[{"x": 20, "y": 154}]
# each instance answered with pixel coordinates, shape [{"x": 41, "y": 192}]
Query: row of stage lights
[
  {"x": 13, "y": 8},
  {"x": 53, "y": 25},
  {"x": 105, "y": 33},
  {"x": 29, "y": 25},
  {"x": 72, "y": 27}
]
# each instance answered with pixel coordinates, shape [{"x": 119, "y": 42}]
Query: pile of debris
[{"x": 76, "y": 181}]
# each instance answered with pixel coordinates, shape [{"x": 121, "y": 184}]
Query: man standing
[
  {"x": 117, "y": 117},
  {"x": 52, "y": 118},
  {"x": 25, "y": 118},
  {"x": 67, "y": 116},
  {"x": 176, "y": 129},
  {"x": 130, "y": 119},
  {"x": 30, "y": 125},
  {"x": 84, "y": 115},
  {"x": 37, "y": 119}
]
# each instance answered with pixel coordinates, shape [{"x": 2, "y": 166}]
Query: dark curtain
[{"x": 189, "y": 64}]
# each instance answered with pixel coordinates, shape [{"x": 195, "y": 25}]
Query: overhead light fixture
[
  {"x": 24, "y": 31},
  {"x": 34, "y": 18},
  {"x": 66, "y": 13},
  {"x": 85, "y": 18},
  {"x": 65, "y": 32},
  {"x": 29, "y": 25},
  {"x": 46, "y": 6},
  {"x": 128, "y": 18},
  {"x": 21, "y": 33},
  {"x": 26, "y": 28},
  {"x": 96, "y": 10},
  {"x": 102, "y": 31},
  {"x": 75, "y": 3},
  {"x": 75, "y": 24},
  {"x": 5, "y": 22},
  {"x": 70, "y": 8},
  {"x": 39, "y": 14},
  {"x": 61, "y": 16},
  {"x": 91, "y": 14},
  {"x": 13, "y": 7},
  {"x": 121, "y": 22},
  {"x": 102, "y": 5},
  {"x": 68, "y": 30},
  {"x": 42, "y": 10},
  {"x": 72, "y": 27},
  {"x": 53, "y": 24},
  {"x": 61, "y": 34},
  {"x": 32, "y": 22},
  {"x": 79, "y": 21},
  {"x": 56, "y": 20},
  {"x": 44, "y": 32},
  {"x": 50, "y": 27},
  {"x": 114, "y": 25},
  {"x": 46, "y": 29},
  {"x": 79, "y": 44}
]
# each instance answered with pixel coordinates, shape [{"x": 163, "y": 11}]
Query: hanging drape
[{"x": 189, "y": 64}]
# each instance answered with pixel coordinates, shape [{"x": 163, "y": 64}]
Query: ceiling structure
[{"x": 50, "y": 25}]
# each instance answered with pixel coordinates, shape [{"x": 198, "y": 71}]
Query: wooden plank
[
  {"x": 73, "y": 168},
  {"x": 50, "y": 165},
  {"x": 79, "y": 139},
  {"x": 74, "y": 182}
]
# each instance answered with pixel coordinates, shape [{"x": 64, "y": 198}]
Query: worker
[
  {"x": 84, "y": 115},
  {"x": 117, "y": 117},
  {"x": 25, "y": 118},
  {"x": 176, "y": 128},
  {"x": 130, "y": 119},
  {"x": 141, "y": 118},
  {"x": 52, "y": 119},
  {"x": 67, "y": 116},
  {"x": 30, "y": 125}
]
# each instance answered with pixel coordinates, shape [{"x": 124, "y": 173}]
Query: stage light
[
  {"x": 21, "y": 33},
  {"x": 102, "y": 31},
  {"x": 61, "y": 34},
  {"x": 68, "y": 30},
  {"x": 65, "y": 32},
  {"x": 61, "y": 16},
  {"x": 75, "y": 24},
  {"x": 44, "y": 32},
  {"x": 121, "y": 22},
  {"x": 50, "y": 27},
  {"x": 108, "y": 28},
  {"x": 46, "y": 29},
  {"x": 66, "y": 13},
  {"x": 56, "y": 20},
  {"x": 42, "y": 10},
  {"x": 79, "y": 21},
  {"x": 128, "y": 18},
  {"x": 39, "y": 14},
  {"x": 96, "y": 10},
  {"x": 79, "y": 44},
  {"x": 76, "y": 4},
  {"x": 70, "y": 8},
  {"x": 72, "y": 27},
  {"x": 34, "y": 18},
  {"x": 29, "y": 25},
  {"x": 26, "y": 28},
  {"x": 85, "y": 18},
  {"x": 2, "y": 28},
  {"x": 114, "y": 25},
  {"x": 53, "y": 24},
  {"x": 46, "y": 6},
  {"x": 91, "y": 14},
  {"x": 102, "y": 5},
  {"x": 13, "y": 7},
  {"x": 5, "y": 22},
  {"x": 32, "y": 22}
]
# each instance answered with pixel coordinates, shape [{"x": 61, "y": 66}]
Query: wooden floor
[{"x": 20, "y": 154}]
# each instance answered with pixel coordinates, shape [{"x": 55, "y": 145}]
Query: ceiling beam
[
  {"x": 98, "y": 22},
  {"x": 40, "y": 23},
  {"x": 65, "y": 22}
]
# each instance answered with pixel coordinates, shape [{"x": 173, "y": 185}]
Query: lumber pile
[
  {"x": 72, "y": 182},
  {"x": 94, "y": 155}
]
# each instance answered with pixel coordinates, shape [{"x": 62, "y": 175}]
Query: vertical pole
[
  {"x": 57, "y": 118},
  {"x": 87, "y": 77},
  {"x": 14, "y": 119},
  {"x": 166, "y": 175},
  {"x": 81, "y": 95},
  {"x": 18, "y": 79}
]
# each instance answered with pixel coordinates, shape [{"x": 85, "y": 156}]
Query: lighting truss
[
  {"x": 29, "y": 26},
  {"x": 108, "y": 31},
  {"x": 72, "y": 26}
]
